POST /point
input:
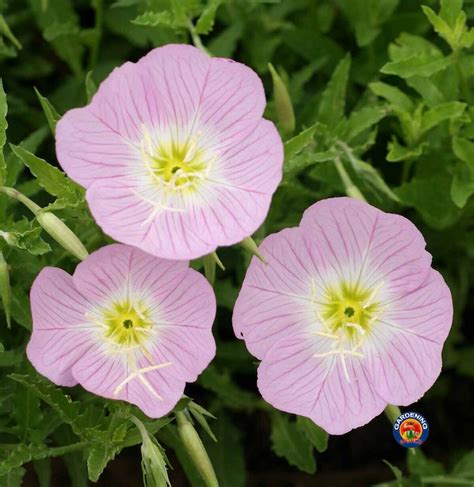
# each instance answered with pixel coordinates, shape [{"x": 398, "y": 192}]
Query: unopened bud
[
  {"x": 196, "y": 450},
  {"x": 60, "y": 232},
  {"x": 5, "y": 290},
  {"x": 153, "y": 459},
  {"x": 284, "y": 107}
]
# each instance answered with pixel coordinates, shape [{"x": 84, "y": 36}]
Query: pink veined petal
[
  {"x": 275, "y": 298},
  {"x": 61, "y": 331},
  {"x": 291, "y": 379},
  {"x": 155, "y": 393},
  {"x": 115, "y": 268},
  {"x": 361, "y": 243},
  {"x": 185, "y": 310},
  {"x": 404, "y": 352}
]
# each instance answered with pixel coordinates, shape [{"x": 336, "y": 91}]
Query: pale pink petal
[
  {"x": 61, "y": 331},
  {"x": 404, "y": 349},
  {"x": 291, "y": 379},
  {"x": 359, "y": 242},
  {"x": 275, "y": 298}
]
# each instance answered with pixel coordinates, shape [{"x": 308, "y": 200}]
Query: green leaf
[
  {"x": 3, "y": 133},
  {"x": 439, "y": 25},
  {"x": 299, "y": 142},
  {"x": 14, "y": 478},
  {"x": 434, "y": 116},
  {"x": 431, "y": 196},
  {"x": 333, "y": 99},
  {"x": 450, "y": 10},
  {"x": 396, "y": 472},
  {"x": 393, "y": 95},
  {"x": 52, "y": 116},
  {"x": 397, "y": 152},
  {"x": 464, "y": 468},
  {"x": 99, "y": 456},
  {"x": 315, "y": 434},
  {"x": 20, "y": 455},
  {"x": 199, "y": 413},
  {"x": 154, "y": 19},
  {"x": 463, "y": 174},
  {"x": 25, "y": 235},
  {"x": 43, "y": 471},
  {"x": 205, "y": 22},
  {"x": 6, "y": 31},
  {"x": 361, "y": 120},
  {"x": 49, "y": 177},
  {"x": 229, "y": 468},
  {"x": 289, "y": 443},
  {"x": 422, "y": 466},
  {"x": 416, "y": 65},
  {"x": 5, "y": 289}
]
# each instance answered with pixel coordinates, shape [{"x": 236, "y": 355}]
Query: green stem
[
  {"x": 13, "y": 193},
  {"x": 350, "y": 188},
  {"x": 196, "y": 39},
  {"x": 392, "y": 412}
]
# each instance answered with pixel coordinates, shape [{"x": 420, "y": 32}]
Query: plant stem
[
  {"x": 196, "y": 39},
  {"x": 351, "y": 189}
]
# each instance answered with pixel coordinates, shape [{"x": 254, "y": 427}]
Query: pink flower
[
  {"x": 347, "y": 316},
  {"x": 175, "y": 155},
  {"x": 125, "y": 325}
]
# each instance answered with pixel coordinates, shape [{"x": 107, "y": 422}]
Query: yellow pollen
[
  {"x": 346, "y": 315},
  {"x": 173, "y": 164}
]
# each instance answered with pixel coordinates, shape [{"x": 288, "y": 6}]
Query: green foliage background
[{"x": 383, "y": 94}]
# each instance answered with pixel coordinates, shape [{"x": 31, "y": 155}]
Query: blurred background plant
[{"x": 373, "y": 97}]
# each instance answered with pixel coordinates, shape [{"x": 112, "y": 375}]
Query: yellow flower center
[
  {"x": 346, "y": 315},
  {"x": 177, "y": 165},
  {"x": 127, "y": 325}
]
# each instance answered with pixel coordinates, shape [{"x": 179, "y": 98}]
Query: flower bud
[
  {"x": 5, "y": 290},
  {"x": 62, "y": 234},
  {"x": 284, "y": 107},
  {"x": 153, "y": 459},
  {"x": 196, "y": 450}
]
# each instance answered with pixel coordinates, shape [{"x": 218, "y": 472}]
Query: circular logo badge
[{"x": 410, "y": 429}]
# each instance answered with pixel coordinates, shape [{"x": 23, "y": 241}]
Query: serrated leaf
[
  {"x": 20, "y": 455},
  {"x": 450, "y": 10},
  {"x": 445, "y": 111},
  {"x": 439, "y": 25},
  {"x": 14, "y": 478},
  {"x": 333, "y": 99},
  {"x": 416, "y": 65},
  {"x": 3, "y": 133},
  {"x": 205, "y": 22},
  {"x": 315, "y": 434},
  {"x": 24, "y": 235},
  {"x": 393, "y": 95},
  {"x": 154, "y": 19},
  {"x": 297, "y": 143},
  {"x": 397, "y": 152},
  {"x": 289, "y": 443},
  {"x": 97, "y": 460},
  {"x": 49, "y": 177},
  {"x": 52, "y": 116}
]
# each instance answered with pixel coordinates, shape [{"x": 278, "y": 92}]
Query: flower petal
[
  {"x": 360, "y": 242},
  {"x": 61, "y": 332},
  {"x": 275, "y": 299},
  {"x": 404, "y": 351},
  {"x": 291, "y": 379}
]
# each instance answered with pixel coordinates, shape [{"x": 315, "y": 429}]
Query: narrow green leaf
[
  {"x": 439, "y": 25},
  {"x": 465, "y": 466},
  {"x": 393, "y": 95},
  {"x": 450, "y": 10},
  {"x": 462, "y": 186},
  {"x": 52, "y": 116},
  {"x": 3, "y": 133},
  {"x": 289, "y": 443},
  {"x": 396, "y": 472},
  {"x": 97, "y": 459},
  {"x": 333, "y": 99},
  {"x": 361, "y": 120},
  {"x": 296, "y": 144},
  {"x": 283, "y": 104},
  {"x": 315, "y": 434},
  {"x": 6, "y": 31},
  {"x": 154, "y": 19},
  {"x": 5, "y": 289},
  {"x": 199, "y": 413}
]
